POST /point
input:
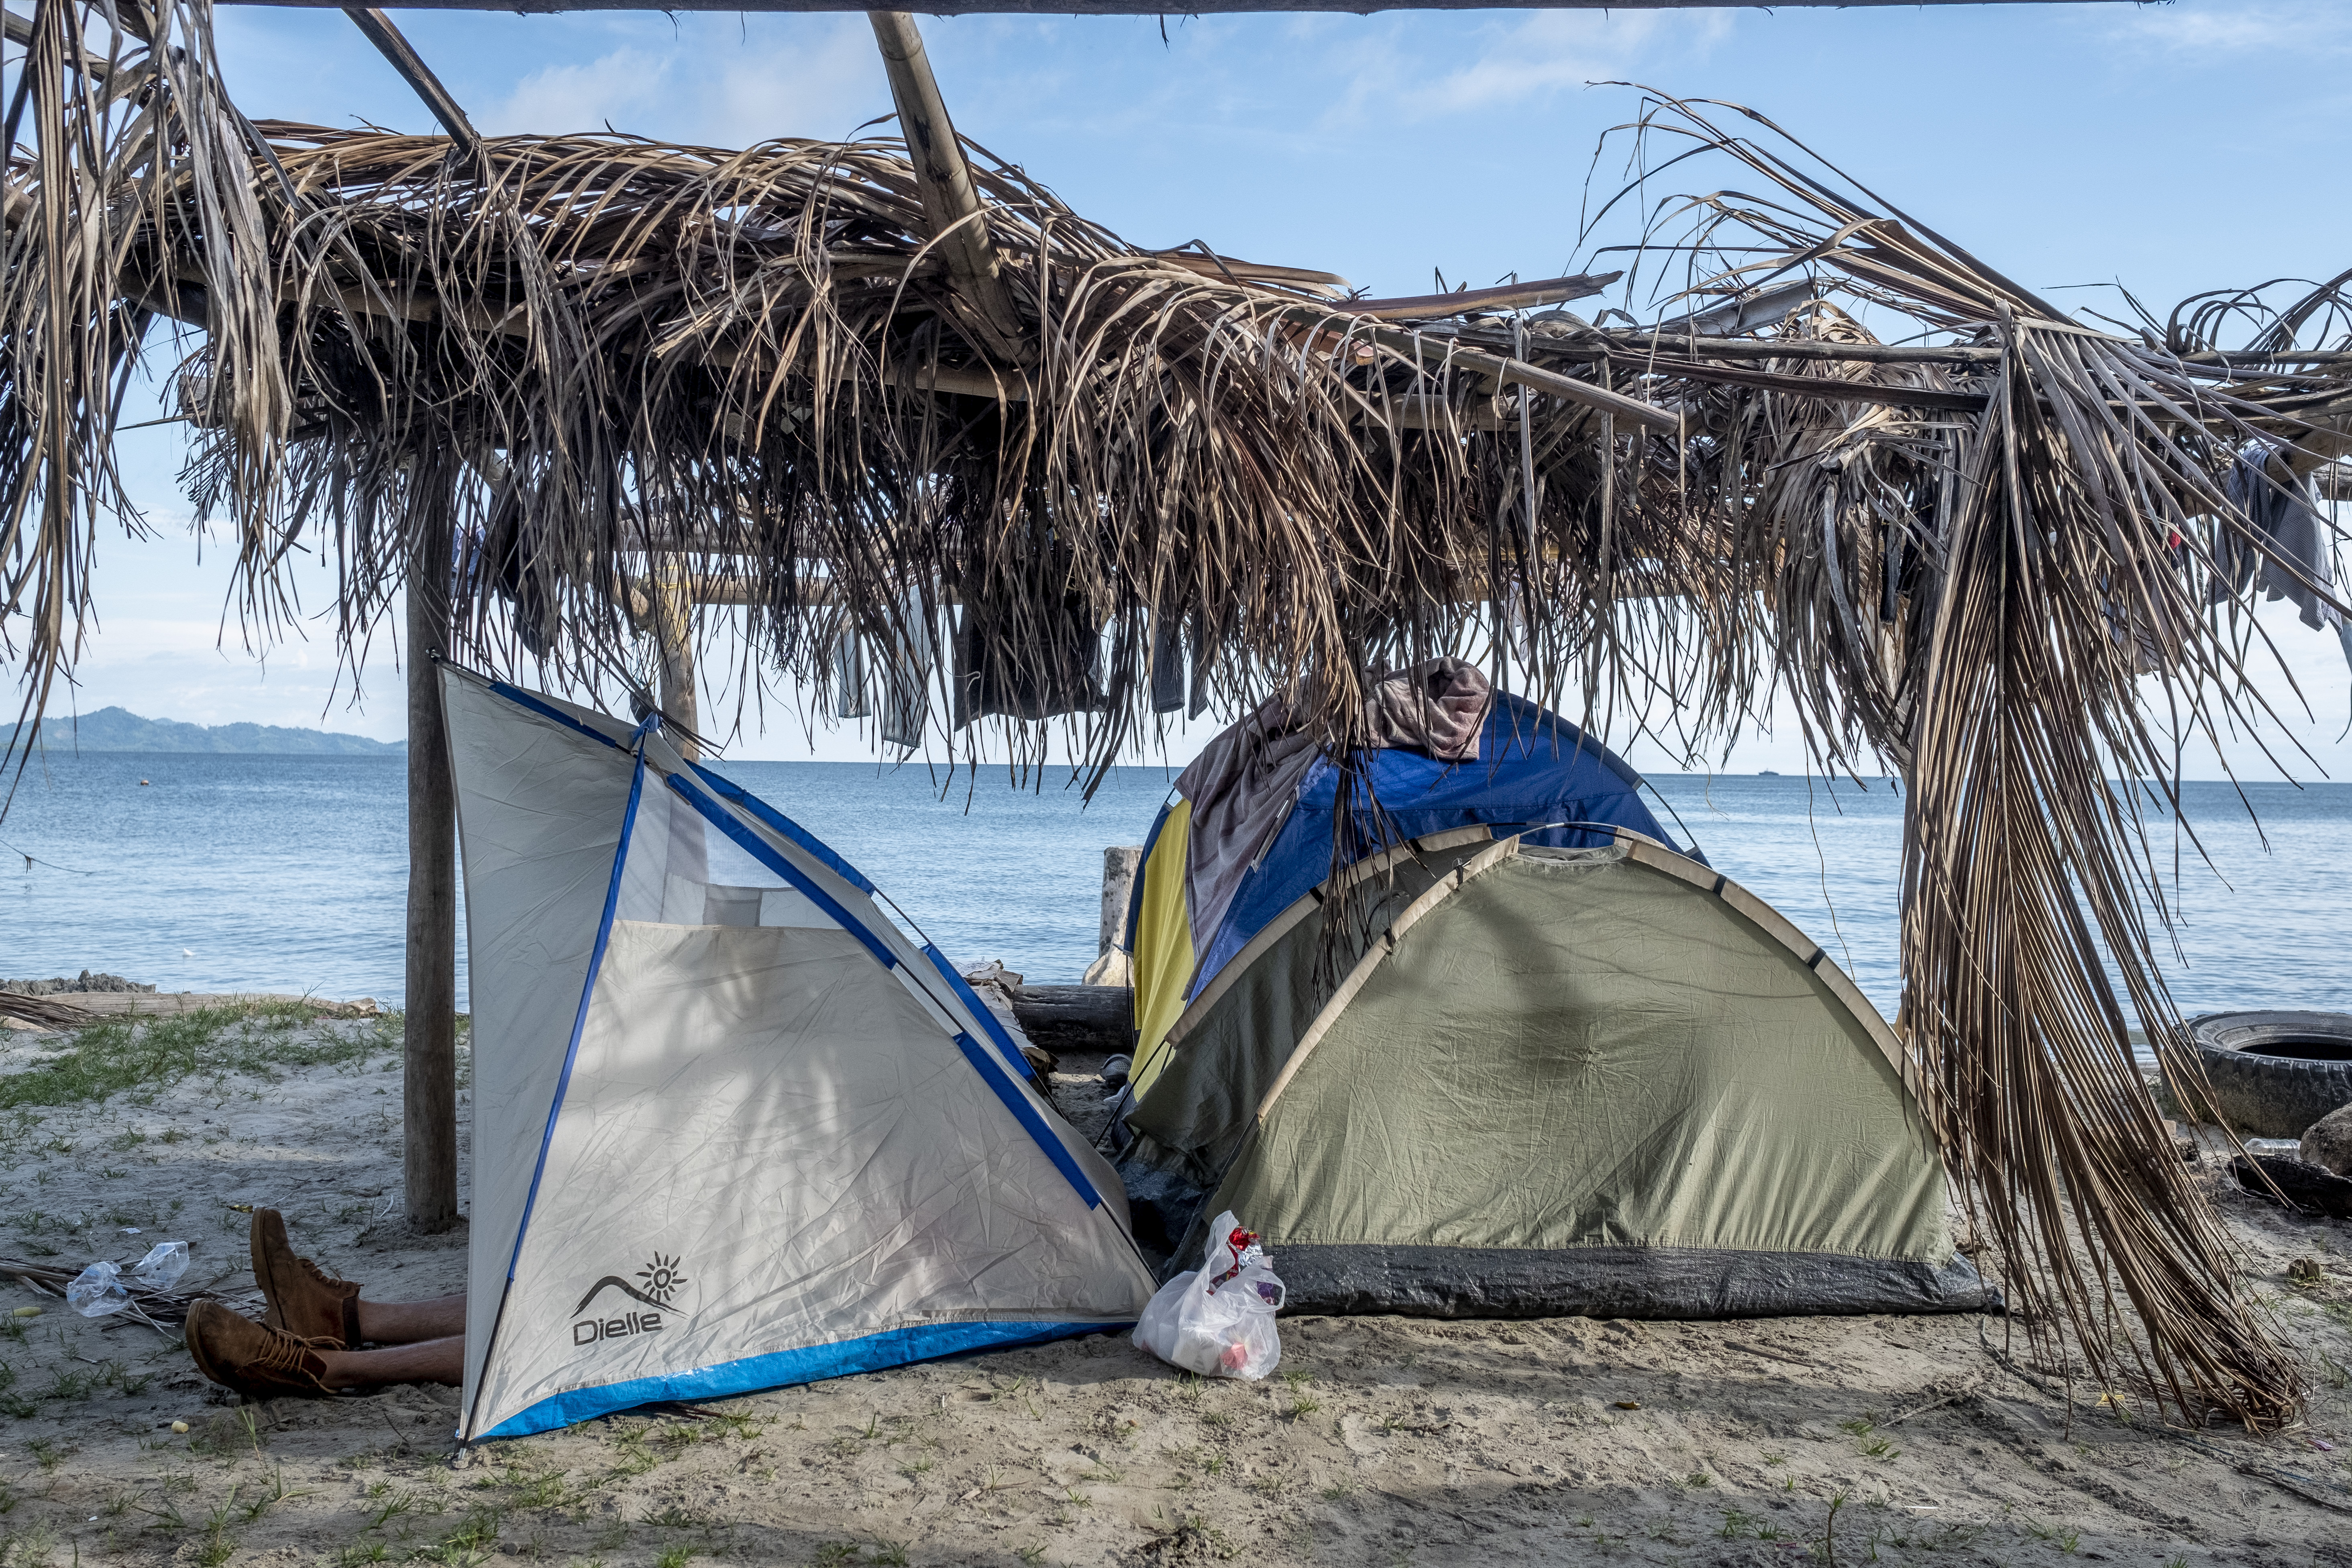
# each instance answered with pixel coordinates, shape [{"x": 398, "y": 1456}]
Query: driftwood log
[
  {"x": 42, "y": 1011},
  {"x": 1062, "y": 1018},
  {"x": 2311, "y": 1188}
]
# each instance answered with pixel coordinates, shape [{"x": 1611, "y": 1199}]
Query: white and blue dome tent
[{"x": 733, "y": 1128}]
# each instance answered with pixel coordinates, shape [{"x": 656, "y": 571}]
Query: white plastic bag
[
  {"x": 98, "y": 1290},
  {"x": 1218, "y": 1319},
  {"x": 161, "y": 1268}
]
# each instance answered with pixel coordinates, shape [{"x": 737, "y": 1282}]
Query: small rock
[{"x": 2328, "y": 1142}]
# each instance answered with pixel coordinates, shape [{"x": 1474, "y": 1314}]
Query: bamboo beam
[
  {"x": 1671, "y": 345},
  {"x": 1507, "y": 297},
  {"x": 1501, "y": 370},
  {"x": 1518, "y": 373},
  {"x": 379, "y": 30},
  {"x": 1821, "y": 387},
  {"x": 1210, "y": 264},
  {"x": 952, "y": 204}
]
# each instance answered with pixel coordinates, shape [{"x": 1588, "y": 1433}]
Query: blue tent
[{"x": 1537, "y": 774}]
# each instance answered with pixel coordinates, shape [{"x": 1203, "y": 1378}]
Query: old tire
[{"x": 2274, "y": 1074}]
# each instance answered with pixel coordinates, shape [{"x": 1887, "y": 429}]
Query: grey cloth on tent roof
[
  {"x": 2293, "y": 547},
  {"x": 1438, "y": 706},
  {"x": 1242, "y": 784}
]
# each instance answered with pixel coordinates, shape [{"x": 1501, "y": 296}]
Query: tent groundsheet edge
[
  {"x": 1618, "y": 1282},
  {"x": 778, "y": 1369}
]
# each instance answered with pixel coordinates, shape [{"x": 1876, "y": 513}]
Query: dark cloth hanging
[
  {"x": 1202, "y": 640},
  {"x": 1043, "y": 669},
  {"x": 1166, "y": 664},
  {"x": 2293, "y": 548}
]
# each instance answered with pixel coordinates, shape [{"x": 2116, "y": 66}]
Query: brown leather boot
[
  {"x": 253, "y": 1359},
  {"x": 304, "y": 1300}
]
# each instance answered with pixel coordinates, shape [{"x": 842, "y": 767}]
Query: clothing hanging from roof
[
  {"x": 1015, "y": 659},
  {"x": 906, "y": 673},
  {"x": 2292, "y": 554}
]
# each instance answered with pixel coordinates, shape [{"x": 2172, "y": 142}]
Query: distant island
[{"x": 119, "y": 729}]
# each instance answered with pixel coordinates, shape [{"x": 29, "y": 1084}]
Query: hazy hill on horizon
[{"x": 119, "y": 729}]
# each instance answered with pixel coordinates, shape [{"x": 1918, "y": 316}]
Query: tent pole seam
[{"x": 570, "y": 1056}]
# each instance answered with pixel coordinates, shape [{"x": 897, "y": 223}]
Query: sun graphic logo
[
  {"x": 662, "y": 1279},
  {"x": 657, "y": 1287}
]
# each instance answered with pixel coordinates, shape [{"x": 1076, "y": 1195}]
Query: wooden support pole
[
  {"x": 673, "y": 605},
  {"x": 1122, "y": 864},
  {"x": 951, "y": 204},
  {"x": 428, "y": 1036},
  {"x": 380, "y": 31}
]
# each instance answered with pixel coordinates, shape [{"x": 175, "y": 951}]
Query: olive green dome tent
[{"x": 1604, "y": 1081}]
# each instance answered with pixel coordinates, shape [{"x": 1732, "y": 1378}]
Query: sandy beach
[{"x": 1382, "y": 1440}]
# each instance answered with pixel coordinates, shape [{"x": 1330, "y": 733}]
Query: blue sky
[{"x": 2171, "y": 149}]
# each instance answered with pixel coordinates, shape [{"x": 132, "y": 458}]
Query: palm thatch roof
[{"x": 1990, "y": 552}]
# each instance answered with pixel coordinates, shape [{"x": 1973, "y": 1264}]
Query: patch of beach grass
[
  {"x": 218, "y": 1545},
  {"x": 115, "y": 1056},
  {"x": 2056, "y": 1535},
  {"x": 470, "y": 1543}
]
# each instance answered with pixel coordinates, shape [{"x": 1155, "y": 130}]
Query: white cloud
[
  {"x": 710, "y": 81},
  {"x": 1548, "y": 50},
  {"x": 1527, "y": 57},
  {"x": 822, "y": 86},
  {"x": 574, "y": 97},
  {"x": 2230, "y": 29}
]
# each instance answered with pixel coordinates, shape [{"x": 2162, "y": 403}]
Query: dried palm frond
[
  {"x": 121, "y": 154},
  {"x": 2068, "y": 536}
]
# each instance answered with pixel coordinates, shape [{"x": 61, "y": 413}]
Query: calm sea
[{"x": 286, "y": 873}]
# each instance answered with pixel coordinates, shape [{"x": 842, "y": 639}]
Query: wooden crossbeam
[{"x": 951, "y": 204}]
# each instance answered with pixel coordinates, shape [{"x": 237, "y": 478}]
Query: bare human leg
[
  {"x": 425, "y": 1361},
  {"x": 412, "y": 1322}
]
